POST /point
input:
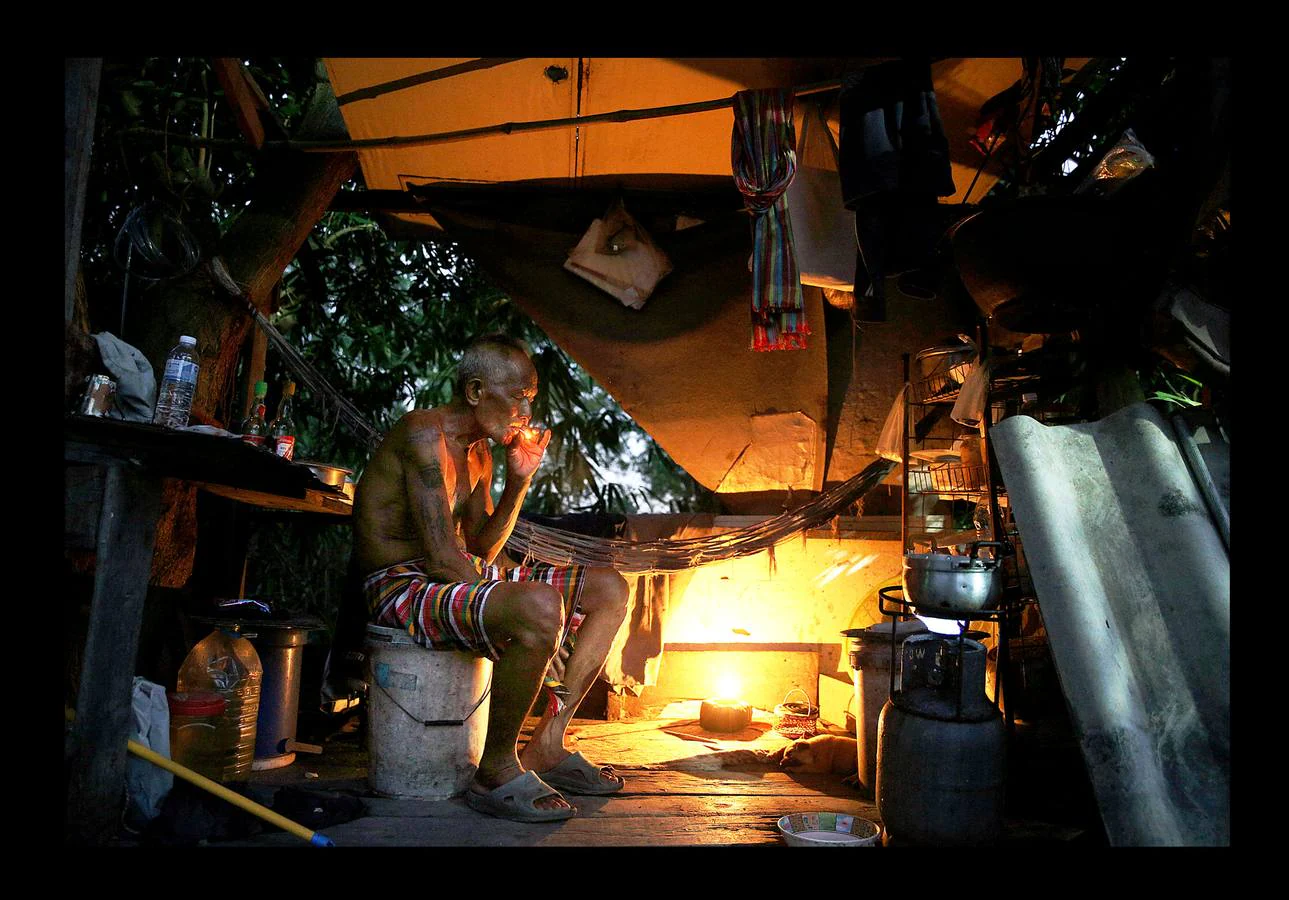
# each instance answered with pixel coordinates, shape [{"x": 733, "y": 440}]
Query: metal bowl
[{"x": 328, "y": 474}]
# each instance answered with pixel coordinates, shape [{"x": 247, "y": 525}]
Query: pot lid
[
  {"x": 882, "y": 630},
  {"x": 944, "y": 562}
]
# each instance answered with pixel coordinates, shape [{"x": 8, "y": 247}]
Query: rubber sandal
[
  {"x": 575, "y": 775},
  {"x": 515, "y": 799}
]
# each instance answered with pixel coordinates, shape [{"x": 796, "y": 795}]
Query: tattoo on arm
[
  {"x": 432, "y": 475},
  {"x": 428, "y": 494}
]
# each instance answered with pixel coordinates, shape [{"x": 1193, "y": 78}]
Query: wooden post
[
  {"x": 126, "y": 530},
  {"x": 80, "y": 100},
  {"x": 255, "y": 365},
  {"x": 245, "y": 98}
]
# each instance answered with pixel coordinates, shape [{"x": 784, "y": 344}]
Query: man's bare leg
[
  {"x": 528, "y": 620},
  {"x": 604, "y": 603}
]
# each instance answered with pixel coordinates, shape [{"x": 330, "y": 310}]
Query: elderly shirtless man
[{"x": 426, "y": 535}]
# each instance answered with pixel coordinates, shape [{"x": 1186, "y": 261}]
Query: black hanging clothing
[
  {"x": 894, "y": 163},
  {"x": 891, "y": 134}
]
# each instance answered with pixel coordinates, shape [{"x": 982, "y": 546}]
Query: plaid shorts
[{"x": 449, "y": 616}]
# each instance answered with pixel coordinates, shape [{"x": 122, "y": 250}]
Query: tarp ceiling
[
  {"x": 386, "y": 97},
  {"x": 697, "y": 389}
]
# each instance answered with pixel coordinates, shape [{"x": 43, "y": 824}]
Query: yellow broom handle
[{"x": 313, "y": 837}]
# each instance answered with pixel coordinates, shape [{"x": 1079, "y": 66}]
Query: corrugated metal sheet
[{"x": 1134, "y": 585}]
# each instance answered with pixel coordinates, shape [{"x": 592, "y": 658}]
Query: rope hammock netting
[
  {"x": 554, "y": 545},
  {"x": 531, "y": 541}
]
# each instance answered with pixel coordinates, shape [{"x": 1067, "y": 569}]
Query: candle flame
[{"x": 728, "y": 686}]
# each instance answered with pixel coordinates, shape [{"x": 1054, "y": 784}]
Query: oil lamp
[{"x": 723, "y": 714}]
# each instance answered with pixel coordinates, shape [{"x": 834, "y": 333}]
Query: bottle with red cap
[
  {"x": 282, "y": 431},
  {"x": 255, "y": 429}
]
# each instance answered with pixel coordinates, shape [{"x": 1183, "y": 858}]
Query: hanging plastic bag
[
  {"x": 1123, "y": 162},
  {"x": 969, "y": 409},
  {"x": 890, "y": 441},
  {"x": 618, "y": 256},
  {"x": 146, "y": 783},
  {"x": 823, "y": 230}
]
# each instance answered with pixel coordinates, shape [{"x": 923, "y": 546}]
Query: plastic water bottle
[
  {"x": 178, "y": 384},
  {"x": 226, "y": 663}
]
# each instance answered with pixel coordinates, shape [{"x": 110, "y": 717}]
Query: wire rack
[
  {"x": 935, "y": 389},
  {"x": 948, "y": 478}
]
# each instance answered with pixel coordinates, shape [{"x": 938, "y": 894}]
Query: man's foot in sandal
[
  {"x": 524, "y": 798},
  {"x": 576, "y": 775}
]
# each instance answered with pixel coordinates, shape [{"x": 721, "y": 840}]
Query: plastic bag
[
  {"x": 618, "y": 256},
  {"x": 969, "y": 409},
  {"x": 147, "y": 783},
  {"x": 1123, "y": 162},
  {"x": 823, "y": 230},
  {"x": 890, "y": 441}
]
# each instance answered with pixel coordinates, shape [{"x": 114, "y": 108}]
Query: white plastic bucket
[
  {"x": 410, "y": 686},
  {"x": 871, "y": 663}
]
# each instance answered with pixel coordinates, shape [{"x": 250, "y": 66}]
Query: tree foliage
[{"x": 382, "y": 320}]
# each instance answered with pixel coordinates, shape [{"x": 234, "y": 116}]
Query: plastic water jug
[{"x": 226, "y": 663}]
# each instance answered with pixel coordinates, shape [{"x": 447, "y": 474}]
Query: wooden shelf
[{"x": 312, "y": 502}]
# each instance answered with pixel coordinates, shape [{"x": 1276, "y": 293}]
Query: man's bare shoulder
[{"x": 420, "y": 426}]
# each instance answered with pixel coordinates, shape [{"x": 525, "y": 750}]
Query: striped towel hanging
[{"x": 764, "y": 161}]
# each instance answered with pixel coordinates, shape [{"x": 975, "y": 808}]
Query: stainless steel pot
[{"x": 953, "y": 583}]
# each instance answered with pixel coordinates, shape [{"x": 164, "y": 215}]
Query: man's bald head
[{"x": 489, "y": 358}]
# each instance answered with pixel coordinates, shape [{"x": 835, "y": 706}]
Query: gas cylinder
[{"x": 941, "y": 748}]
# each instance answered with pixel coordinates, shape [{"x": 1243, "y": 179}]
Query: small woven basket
[{"x": 796, "y": 720}]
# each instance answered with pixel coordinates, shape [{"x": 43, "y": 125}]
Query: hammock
[{"x": 560, "y": 547}]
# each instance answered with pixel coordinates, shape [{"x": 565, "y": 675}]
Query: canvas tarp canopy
[
  {"x": 739, "y": 422},
  {"x": 384, "y": 97}
]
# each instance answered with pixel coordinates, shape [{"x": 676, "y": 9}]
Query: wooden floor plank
[
  {"x": 480, "y": 831},
  {"x": 638, "y": 806},
  {"x": 684, "y": 787}
]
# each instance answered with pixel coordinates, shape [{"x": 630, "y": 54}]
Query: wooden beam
[
  {"x": 82, "y": 507},
  {"x": 126, "y": 530},
  {"x": 465, "y": 134},
  {"x": 80, "y": 101},
  {"x": 259, "y": 349},
  {"x": 245, "y": 97},
  {"x": 400, "y": 84},
  {"x": 314, "y": 501},
  {"x": 376, "y": 201},
  {"x": 255, "y": 366}
]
